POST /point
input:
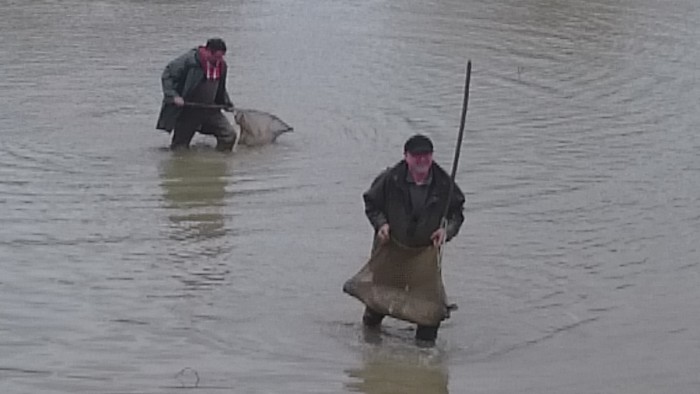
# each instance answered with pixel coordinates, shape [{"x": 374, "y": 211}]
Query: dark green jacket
[
  {"x": 388, "y": 201},
  {"x": 179, "y": 78}
]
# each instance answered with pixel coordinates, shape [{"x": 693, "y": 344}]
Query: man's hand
[
  {"x": 383, "y": 233},
  {"x": 179, "y": 101},
  {"x": 438, "y": 237}
]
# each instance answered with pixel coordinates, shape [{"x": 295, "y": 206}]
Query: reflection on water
[
  {"x": 194, "y": 186},
  {"x": 194, "y": 189},
  {"x": 388, "y": 373}
]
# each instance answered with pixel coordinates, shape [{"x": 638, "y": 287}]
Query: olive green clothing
[
  {"x": 180, "y": 78},
  {"x": 205, "y": 121},
  {"x": 394, "y": 200}
]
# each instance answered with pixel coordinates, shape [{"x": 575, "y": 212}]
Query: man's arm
[
  {"x": 173, "y": 73},
  {"x": 222, "y": 96},
  {"x": 375, "y": 201},
  {"x": 455, "y": 215}
]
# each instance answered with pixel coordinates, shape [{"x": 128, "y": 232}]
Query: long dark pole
[{"x": 458, "y": 149}]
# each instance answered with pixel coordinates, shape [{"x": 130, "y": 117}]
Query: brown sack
[
  {"x": 259, "y": 128},
  {"x": 402, "y": 282}
]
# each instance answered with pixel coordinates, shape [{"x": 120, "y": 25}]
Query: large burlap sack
[{"x": 402, "y": 282}]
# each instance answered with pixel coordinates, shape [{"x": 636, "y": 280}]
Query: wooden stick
[
  {"x": 206, "y": 106},
  {"x": 458, "y": 149}
]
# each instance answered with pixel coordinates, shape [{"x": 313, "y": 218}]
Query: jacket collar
[{"x": 399, "y": 174}]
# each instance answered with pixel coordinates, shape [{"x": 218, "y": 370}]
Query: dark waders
[{"x": 209, "y": 121}]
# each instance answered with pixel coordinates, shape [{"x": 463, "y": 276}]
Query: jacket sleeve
[
  {"x": 222, "y": 96},
  {"x": 375, "y": 201},
  {"x": 174, "y": 73},
  {"x": 455, "y": 215}
]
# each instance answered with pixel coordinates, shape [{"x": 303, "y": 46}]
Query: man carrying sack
[{"x": 406, "y": 204}]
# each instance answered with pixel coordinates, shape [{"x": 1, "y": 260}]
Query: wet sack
[
  {"x": 402, "y": 282},
  {"x": 258, "y": 127}
]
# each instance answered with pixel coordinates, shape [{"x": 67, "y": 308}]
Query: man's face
[
  {"x": 419, "y": 163},
  {"x": 215, "y": 56}
]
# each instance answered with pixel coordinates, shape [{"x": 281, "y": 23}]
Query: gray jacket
[{"x": 179, "y": 78}]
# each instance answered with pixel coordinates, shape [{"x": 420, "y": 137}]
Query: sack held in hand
[{"x": 402, "y": 282}]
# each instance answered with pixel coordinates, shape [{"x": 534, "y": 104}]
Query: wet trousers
[
  {"x": 206, "y": 121},
  {"x": 423, "y": 333}
]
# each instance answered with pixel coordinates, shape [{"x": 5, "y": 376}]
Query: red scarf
[{"x": 211, "y": 70}]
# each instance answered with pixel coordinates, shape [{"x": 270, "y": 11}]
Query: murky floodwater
[{"x": 128, "y": 269}]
